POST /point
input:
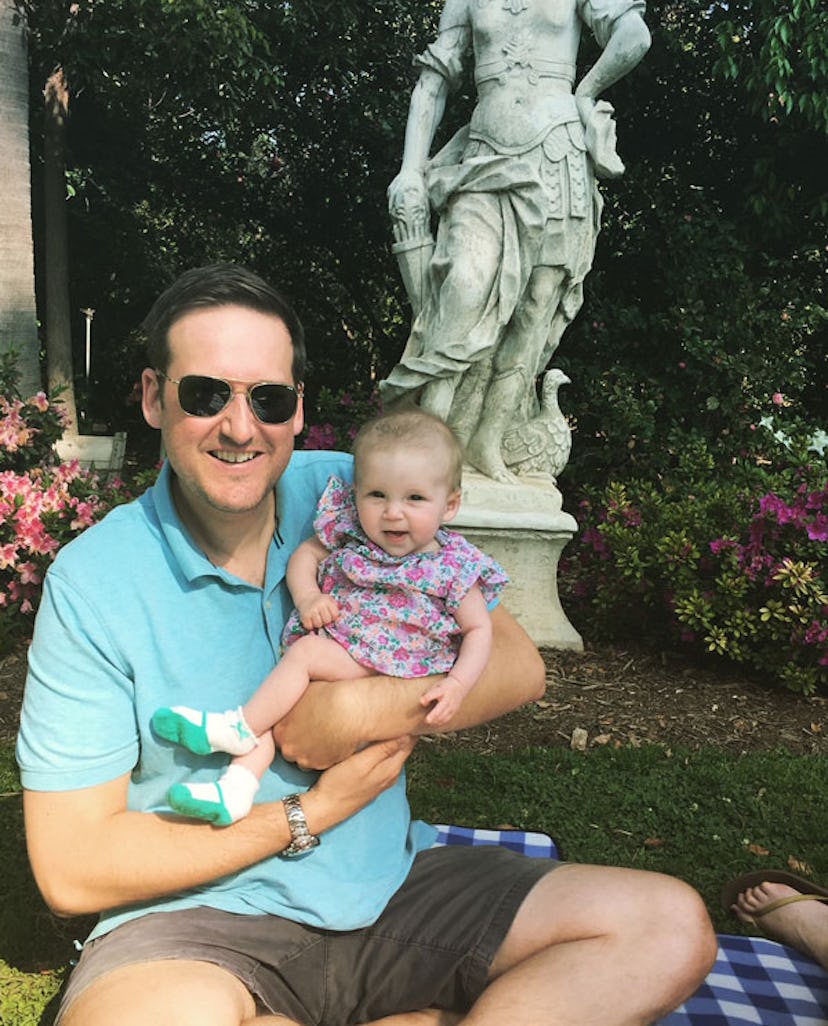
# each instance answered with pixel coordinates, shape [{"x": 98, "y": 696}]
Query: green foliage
[
  {"x": 694, "y": 333},
  {"x": 730, "y": 562},
  {"x": 779, "y": 51},
  {"x": 337, "y": 418}
]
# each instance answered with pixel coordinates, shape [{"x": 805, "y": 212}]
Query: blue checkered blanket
[{"x": 755, "y": 982}]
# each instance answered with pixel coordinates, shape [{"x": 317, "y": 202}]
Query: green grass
[{"x": 702, "y": 816}]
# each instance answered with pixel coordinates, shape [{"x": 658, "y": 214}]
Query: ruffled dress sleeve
[
  {"x": 465, "y": 565},
  {"x": 336, "y": 521}
]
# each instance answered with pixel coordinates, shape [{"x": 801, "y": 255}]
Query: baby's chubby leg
[
  {"x": 234, "y": 731},
  {"x": 230, "y": 798},
  {"x": 311, "y": 657}
]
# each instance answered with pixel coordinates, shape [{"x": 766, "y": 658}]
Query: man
[
  {"x": 180, "y": 596},
  {"x": 518, "y": 204}
]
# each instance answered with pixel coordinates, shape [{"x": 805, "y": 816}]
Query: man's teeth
[{"x": 234, "y": 457}]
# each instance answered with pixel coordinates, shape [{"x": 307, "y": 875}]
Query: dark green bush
[{"x": 731, "y": 563}]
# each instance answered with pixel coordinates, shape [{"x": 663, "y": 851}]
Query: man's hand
[
  {"x": 350, "y": 785},
  {"x": 332, "y": 719}
]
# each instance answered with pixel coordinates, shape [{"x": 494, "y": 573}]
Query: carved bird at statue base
[{"x": 541, "y": 445}]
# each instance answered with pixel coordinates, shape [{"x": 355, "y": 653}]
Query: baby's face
[{"x": 403, "y": 495}]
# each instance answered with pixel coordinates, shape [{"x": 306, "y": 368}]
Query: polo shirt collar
[{"x": 189, "y": 557}]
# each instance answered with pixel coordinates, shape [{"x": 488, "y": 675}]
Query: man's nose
[{"x": 238, "y": 420}]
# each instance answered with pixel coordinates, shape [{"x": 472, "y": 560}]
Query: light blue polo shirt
[{"x": 134, "y": 617}]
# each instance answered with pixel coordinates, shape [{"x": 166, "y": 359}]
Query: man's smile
[{"x": 233, "y": 457}]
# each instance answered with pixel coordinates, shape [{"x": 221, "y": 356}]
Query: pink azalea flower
[
  {"x": 8, "y": 554},
  {"x": 40, "y": 402},
  {"x": 29, "y": 574}
]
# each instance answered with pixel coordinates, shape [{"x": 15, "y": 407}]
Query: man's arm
[
  {"x": 89, "y": 852},
  {"x": 333, "y": 718}
]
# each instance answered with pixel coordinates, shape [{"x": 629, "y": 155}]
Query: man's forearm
[
  {"x": 333, "y": 718},
  {"x": 90, "y": 853}
]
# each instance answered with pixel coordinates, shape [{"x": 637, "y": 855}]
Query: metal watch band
[{"x": 302, "y": 839}]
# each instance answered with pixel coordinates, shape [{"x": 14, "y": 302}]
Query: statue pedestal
[{"x": 525, "y": 529}]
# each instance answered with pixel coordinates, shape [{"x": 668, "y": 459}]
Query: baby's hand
[
  {"x": 318, "y": 611},
  {"x": 448, "y": 695}
]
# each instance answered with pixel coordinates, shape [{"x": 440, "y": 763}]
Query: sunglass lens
[
  {"x": 273, "y": 404},
  {"x": 202, "y": 396}
]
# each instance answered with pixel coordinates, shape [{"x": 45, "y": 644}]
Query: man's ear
[
  {"x": 299, "y": 417},
  {"x": 151, "y": 403},
  {"x": 452, "y": 506}
]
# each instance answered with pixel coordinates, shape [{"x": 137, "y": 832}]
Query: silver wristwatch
[{"x": 302, "y": 839}]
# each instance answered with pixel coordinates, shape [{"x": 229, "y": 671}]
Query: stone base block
[{"x": 524, "y": 528}]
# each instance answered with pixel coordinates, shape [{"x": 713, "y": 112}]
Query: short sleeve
[
  {"x": 468, "y": 566},
  {"x": 601, "y": 15},
  {"x": 447, "y": 63},
  {"x": 77, "y": 724}
]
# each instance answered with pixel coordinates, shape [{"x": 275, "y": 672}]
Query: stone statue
[{"x": 519, "y": 212}]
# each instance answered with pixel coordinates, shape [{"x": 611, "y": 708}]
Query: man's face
[{"x": 228, "y": 463}]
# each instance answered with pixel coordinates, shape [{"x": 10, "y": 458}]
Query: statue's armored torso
[{"x": 524, "y": 53}]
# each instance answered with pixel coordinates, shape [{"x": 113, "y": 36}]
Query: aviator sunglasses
[{"x": 202, "y": 396}]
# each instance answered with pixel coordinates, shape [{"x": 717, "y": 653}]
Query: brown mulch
[
  {"x": 612, "y": 695},
  {"x": 627, "y": 695}
]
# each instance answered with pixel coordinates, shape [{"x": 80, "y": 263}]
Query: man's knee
[
  {"x": 165, "y": 993},
  {"x": 640, "y": 912}
]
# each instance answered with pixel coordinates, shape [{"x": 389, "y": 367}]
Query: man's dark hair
[{"x": 218, "y": 285}]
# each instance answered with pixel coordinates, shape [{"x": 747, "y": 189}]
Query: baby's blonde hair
[{"x": 411, "y": 428}]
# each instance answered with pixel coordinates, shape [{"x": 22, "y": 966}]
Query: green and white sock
[
  {"x": 205, "y": 732},
  {"x": 222, "y": 802}
]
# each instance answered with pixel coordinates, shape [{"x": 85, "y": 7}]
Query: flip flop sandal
[{"x": 808, "y": 890}]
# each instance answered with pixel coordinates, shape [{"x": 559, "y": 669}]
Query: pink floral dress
[{"x": 396, "y": 613}]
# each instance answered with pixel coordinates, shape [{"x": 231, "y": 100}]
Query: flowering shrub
[
  {"x": 338, "y": 417},
  {"x": 732, "y": 564},
  {"x": 28, "y": 428},
  {"x": 42, "y": 504},
  {"x": 40, "y": 510}
]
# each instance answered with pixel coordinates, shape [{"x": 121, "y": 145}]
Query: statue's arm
[
  {"x": 428, "y": 104},
  {"x": 629, "y": 40}
]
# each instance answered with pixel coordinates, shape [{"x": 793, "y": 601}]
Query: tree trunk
[
  {"x": 18, "y": 316},
  {"x": 58, "y": 318}
]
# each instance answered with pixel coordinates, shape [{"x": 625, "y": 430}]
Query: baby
[{"x": 381, "y": 587}]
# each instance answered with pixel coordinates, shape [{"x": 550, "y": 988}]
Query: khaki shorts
[{"x": 432, "y": 946}]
